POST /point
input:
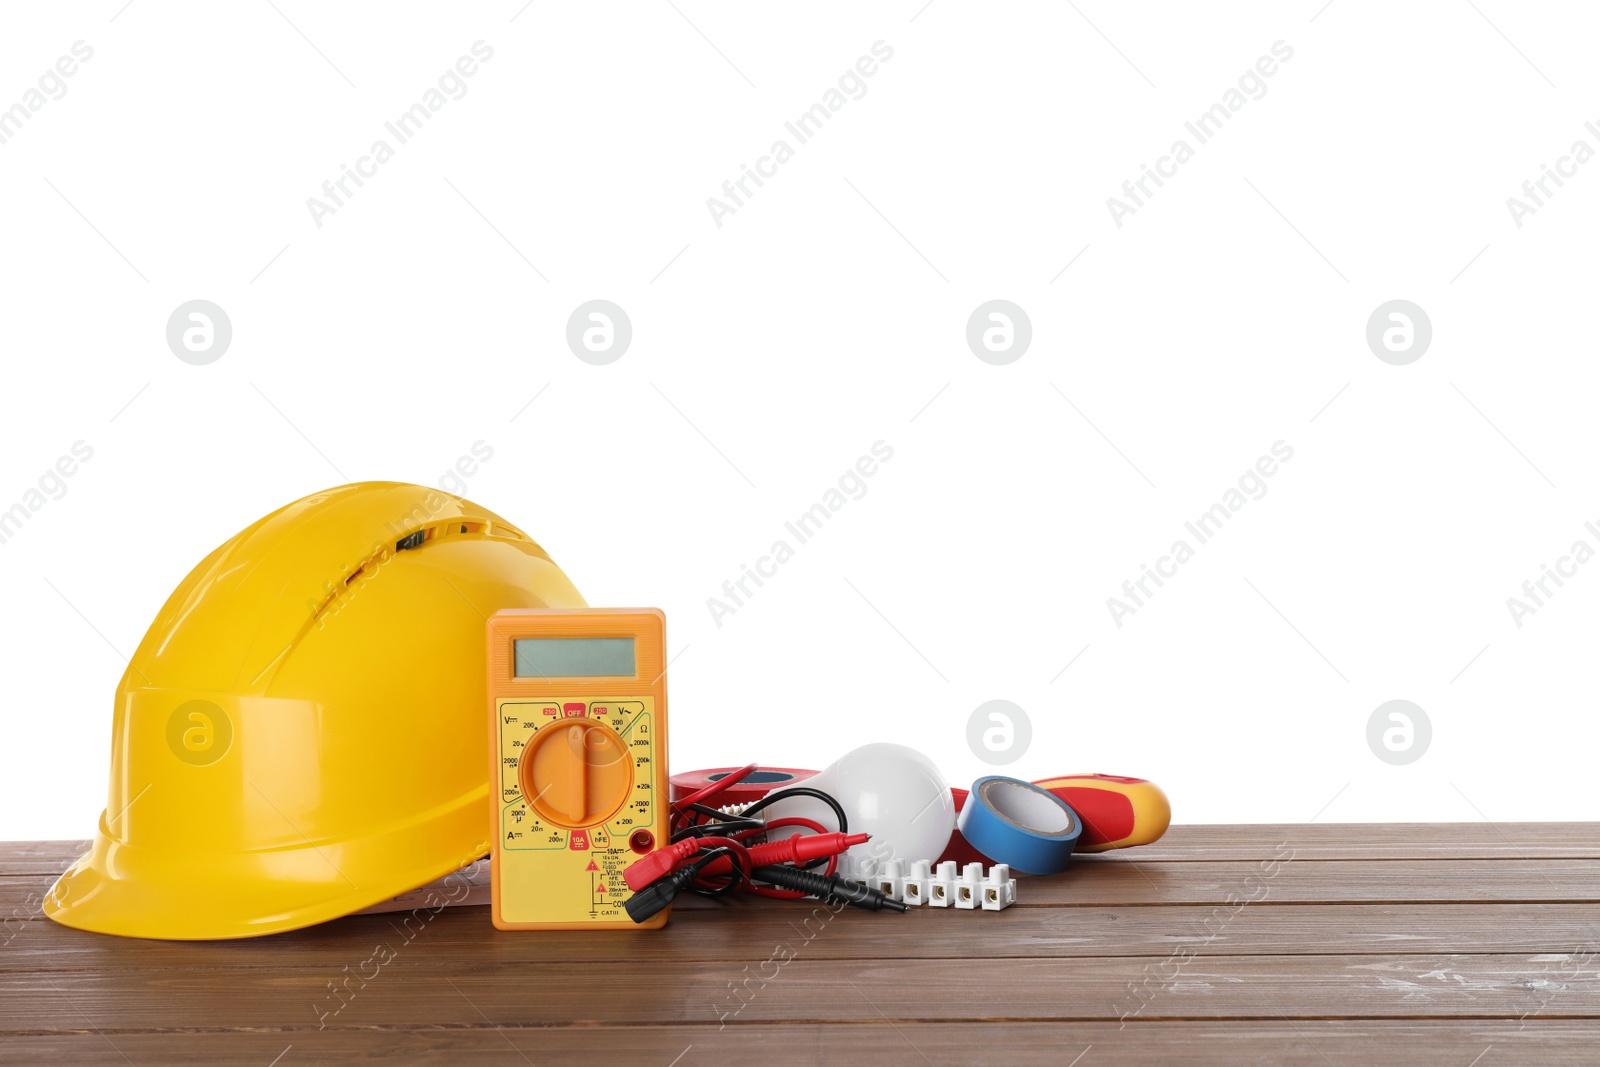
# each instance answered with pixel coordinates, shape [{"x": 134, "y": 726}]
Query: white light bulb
[{"x": 892, "y": 792}]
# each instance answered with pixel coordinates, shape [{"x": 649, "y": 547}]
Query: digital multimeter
[{"x": 578, "y": 739}]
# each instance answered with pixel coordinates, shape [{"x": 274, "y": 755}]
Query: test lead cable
[{"x": 714, "y": 853}]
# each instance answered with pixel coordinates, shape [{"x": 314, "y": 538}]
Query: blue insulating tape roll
[{"x": 1017, "y": 823}]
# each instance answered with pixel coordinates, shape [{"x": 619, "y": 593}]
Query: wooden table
[{"x": 1469, "y": 945}]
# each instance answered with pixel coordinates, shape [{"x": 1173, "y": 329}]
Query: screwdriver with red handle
[{"x": 1116, "y": 812}]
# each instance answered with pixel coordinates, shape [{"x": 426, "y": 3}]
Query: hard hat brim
[{"x": 199, "y": 895}]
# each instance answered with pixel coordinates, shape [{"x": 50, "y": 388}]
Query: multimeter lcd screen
[{"x": 574, "y": 657}]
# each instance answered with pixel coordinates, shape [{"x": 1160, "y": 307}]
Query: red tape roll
[{"x": 757, "y": 785}]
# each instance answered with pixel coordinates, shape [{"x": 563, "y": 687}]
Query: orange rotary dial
[{"x": 576, "y": 774}]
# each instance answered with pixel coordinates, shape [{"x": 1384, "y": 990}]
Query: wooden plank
[
  {"x": 1264, "y": 883},
  {"x": 749, "y": 929},
  {"x": 39, "y": 857},
  {"x": 399, "y": 985},
  {"x": 22, "y": 896},
  {"x": 1367, "y": 841},
  {"x": 1327, "y": 881},
  {"x": 1271, "y": 1043},
  {"x": 1190, "y": 842}
]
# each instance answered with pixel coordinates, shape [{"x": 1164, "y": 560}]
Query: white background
[{"x": 827, "y": 314}]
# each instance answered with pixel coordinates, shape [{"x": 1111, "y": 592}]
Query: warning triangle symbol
[
  {"x": 593, "y": 866},
  {"x": 600, "y": 889}
]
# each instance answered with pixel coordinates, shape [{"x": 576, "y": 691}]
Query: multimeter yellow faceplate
[{"x": 578, "y": 731}]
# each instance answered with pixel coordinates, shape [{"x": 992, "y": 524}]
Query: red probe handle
[{"x": 799, "y": 849}]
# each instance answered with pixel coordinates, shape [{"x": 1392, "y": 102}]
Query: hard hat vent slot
[
  {"x": 411, "y": 540},
  {"x": 456, "y": 527}
]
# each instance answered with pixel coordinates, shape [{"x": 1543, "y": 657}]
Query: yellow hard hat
[{"x": 303, "y": 731}]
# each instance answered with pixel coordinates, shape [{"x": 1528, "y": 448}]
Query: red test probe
[{"x": 714, "y": 853}]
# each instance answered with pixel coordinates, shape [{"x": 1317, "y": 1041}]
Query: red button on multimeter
[{"x": 577, "y": 792}]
